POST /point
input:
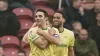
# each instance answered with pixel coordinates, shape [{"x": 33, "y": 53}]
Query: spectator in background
[
  {"x": 21, "y": 3},
  {"x": 54, "y": 4},
  {"x": 21, "y": 53},
  {"x": 1, "y": 51},
  {"x": 9, "y": 24},
  {"x": 94, "y": 31},
  {"x": 88, "y": 4},
  {"x": 81, "y": 11},
  {"x": 73, "y": 13},
  {"x": 97, "y": 6},
  {"x": 84, "y": 46},
  {"x": 77, "y": 26},
  {"x": 87, "y": 9}
]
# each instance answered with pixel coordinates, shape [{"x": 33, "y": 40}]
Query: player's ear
[
  {"x": 46, "y": 18},
  {"x": 63, "y": 20}
]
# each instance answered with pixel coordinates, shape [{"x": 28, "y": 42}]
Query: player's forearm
[
  {"x": 70, "y": 51},
  {"x": 25, "y": 38},
  {"x": 51, "y": 38},
  {"x": 41, "y": 43}
]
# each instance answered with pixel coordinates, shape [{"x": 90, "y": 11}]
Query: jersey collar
[
  {"x": 45, "y": 28},
  {"x": 62, "y": 31}
]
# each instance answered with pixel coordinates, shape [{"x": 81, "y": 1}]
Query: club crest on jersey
[{"x": 32, "y": 34}]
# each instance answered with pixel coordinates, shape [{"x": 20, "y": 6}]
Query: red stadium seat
[
  {"x": 25, "y": 47},
  {"x": 25, "y": 16},
  {"x": 11, "y": 45},
  {"x": 25, "y": 26},
  {"x": 27, "y": 50},
  {"x": 47, "y": 9},
  {"x": 10, "y": 51},
  {"x": 10, "y": 41},
  {"x": 23, "y": 11}
]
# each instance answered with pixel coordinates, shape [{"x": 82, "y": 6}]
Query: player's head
[
  {"x": 58, "y": 19},
  {"x": 21, "y": 53},
  {"x": 41, "y": 16}
]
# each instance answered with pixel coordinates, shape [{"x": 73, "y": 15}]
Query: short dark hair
[
  {"x": 22, "y": 51},
  {"x": 41, "y": 10},
  {"x": 61, "y": 12}
]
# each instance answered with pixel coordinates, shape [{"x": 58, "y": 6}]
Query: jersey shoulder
[{"x": 68, "y": 31}]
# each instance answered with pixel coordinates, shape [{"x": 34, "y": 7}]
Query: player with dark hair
[
  {"x": 39, "y": 36},
  {"x": 67, "y": 36}
]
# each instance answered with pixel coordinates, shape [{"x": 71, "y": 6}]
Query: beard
[
  {"x": 57, "y": 26},
  {"x": 84, "y": 41}
]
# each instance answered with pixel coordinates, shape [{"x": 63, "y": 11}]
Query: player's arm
[
  {"x": 53, "y": 38},
  {"x": 71, "y": 46},
  {"x": 25, "y": 38},
  {"x": 34, "y": 25},
  {"x": 38, "y": 40},
  {"x": 41, "y": 42},
  {"x": 70, "y": 51}
]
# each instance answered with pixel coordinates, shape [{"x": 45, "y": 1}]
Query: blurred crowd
[{"x": 79, "y": 14}]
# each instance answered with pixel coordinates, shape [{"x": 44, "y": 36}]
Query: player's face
[
  {"x": 40, "y": 18},
  {"x": 57, "y": 20}
]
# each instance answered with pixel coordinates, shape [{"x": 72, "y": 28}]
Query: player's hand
[
  {"x": 40, "y": 31},
  {"x": 34, "y": 25},
  {"x": 51, "y": 31}
]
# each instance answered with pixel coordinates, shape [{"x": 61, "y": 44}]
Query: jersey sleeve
[
  {"x": 32, "y": 33},
  {"x": 57, "y": 32},
  {"x": 72, "y": 40}
]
